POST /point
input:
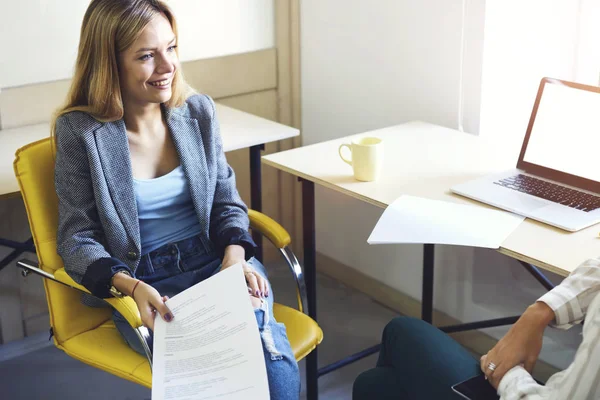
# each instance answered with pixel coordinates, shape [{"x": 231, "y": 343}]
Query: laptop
[{"x": 557, "y": 177}]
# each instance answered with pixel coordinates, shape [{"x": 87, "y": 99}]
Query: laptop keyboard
[{"x": 553, "y": 192}]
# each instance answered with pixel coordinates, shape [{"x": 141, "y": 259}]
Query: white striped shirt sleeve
[
  {"x": 573, "y": 299},
  {"x": 581, "y": 380}
]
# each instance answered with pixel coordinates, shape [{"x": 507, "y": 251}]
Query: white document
[
  {"x": 212, "y": 348},
  {"x": 417, "y": 220}
]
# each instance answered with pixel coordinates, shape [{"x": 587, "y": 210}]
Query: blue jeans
[
  {"x": 416, "y": 361},
  {"x": 175, "y": 267}
]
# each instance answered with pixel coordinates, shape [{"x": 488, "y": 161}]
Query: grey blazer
[{"x": 98, "y": 226}]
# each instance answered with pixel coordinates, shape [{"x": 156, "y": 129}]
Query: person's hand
[
  {"x": 520, "y": 346},
  {"x": 150, "y": 302},
  {"x": 257, "y": 285},
  {"x": 233, "y": 254}
]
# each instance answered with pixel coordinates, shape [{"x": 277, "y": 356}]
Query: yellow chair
[{"x": 88, "y": 334}]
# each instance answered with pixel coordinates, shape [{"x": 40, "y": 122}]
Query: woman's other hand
[{"x": 257, "y": 285}]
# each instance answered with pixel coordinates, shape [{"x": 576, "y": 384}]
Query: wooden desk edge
[
  {"x": 10, "y": 195},
  {"x": 296, "y": 133},
  {"x": 502, "y": 250},
  {"x": 323, "y": 183},
  {"x": 536, "y": 263}
]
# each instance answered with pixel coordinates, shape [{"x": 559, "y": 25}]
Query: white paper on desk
[
  {"x": 212, "y": 349},
  {"x": 417, "y": 220}
]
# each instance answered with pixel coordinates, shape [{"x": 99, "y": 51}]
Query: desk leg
[
  {"x": 19, "y": 249},
  {"x": 537, "y": 274},
  {"x": 310, "y": 276},
  {"x": 427, "y": 295},
  {"x": 256, "y": 192}
]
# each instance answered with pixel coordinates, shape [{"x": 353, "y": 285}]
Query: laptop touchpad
[{"x": 527, "y": 203}]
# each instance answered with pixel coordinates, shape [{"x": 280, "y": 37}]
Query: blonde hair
[{"x": 110, "y": 27}]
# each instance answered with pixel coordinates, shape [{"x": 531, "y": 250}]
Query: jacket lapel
[
  {"x": 113, "y": 148},
  {"x": 188, "y": 141}
]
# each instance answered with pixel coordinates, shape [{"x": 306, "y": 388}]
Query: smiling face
[{"x": 147, "y": 68}]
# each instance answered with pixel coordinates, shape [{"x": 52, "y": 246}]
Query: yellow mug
[{"x": 366, "y": 157}]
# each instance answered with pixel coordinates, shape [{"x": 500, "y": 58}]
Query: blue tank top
[{"x": 165, "y": 210}]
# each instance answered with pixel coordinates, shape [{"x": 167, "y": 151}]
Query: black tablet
[{"x": 476, "y": 388}]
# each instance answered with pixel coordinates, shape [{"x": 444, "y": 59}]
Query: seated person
[
  {"x": 148, "y": 205},
  {"x": 418, "y": 361}
]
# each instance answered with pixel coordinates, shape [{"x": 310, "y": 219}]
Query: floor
[{"x": 34, "y": 369}]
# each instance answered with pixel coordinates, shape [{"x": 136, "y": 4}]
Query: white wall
[
  {"x": 366, "y": 65},
  {"x": 372, "y": 64},
  {"x": 39, "y": 38}
]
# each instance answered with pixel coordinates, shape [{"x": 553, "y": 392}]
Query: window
[{"x": 525, "y": 40}]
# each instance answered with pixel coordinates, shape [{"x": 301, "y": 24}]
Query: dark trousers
[{"x": 416, "y": 361}]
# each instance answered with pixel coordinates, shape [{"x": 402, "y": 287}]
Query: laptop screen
[{"x": 564, "y": 133}]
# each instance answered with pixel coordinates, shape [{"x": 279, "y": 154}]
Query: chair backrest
[{"x": 34, "y": 169}]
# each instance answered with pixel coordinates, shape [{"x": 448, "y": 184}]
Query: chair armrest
[
  {"x": 269, "y": 228},
  {"x": 124, "y": 305},
  {"x": 128, "y": 309},
  {"x": 61, "y": 276},
  {"x": 281, "y": 239}
]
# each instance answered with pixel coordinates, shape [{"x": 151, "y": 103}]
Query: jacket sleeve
[
  {"x": 80, "y": 236},
  {"x": 229, "y": 215}
]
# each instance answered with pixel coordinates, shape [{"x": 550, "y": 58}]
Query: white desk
[
  {"x": 424, "y": 160},
  {"x": 238, "y": 130}
]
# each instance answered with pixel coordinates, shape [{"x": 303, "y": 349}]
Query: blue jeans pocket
[
  {"x": 197, "y": 260},
  {"x": 160, "y": 264},
  {"x": 145, "y": 268}
]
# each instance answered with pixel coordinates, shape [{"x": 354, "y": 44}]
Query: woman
[
  {"x": 147, "y": 202},
  {"x": 418, "y": 361}
]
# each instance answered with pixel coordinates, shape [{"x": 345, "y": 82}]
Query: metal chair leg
[{"x": 144, "y": 336}]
